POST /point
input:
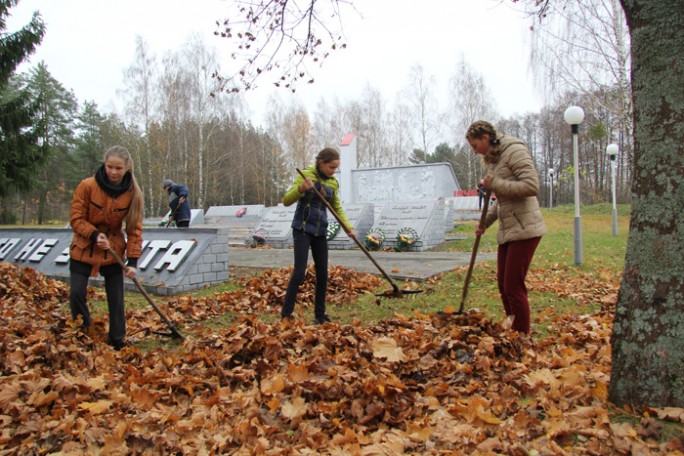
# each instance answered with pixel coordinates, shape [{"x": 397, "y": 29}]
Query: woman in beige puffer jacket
[{"x": 512, "y": 176}]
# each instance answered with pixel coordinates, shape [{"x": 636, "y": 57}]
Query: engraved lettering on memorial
[
  {"x": 154, "y": 246},
  {"x": 26, "y": 250},
  {"x": 175, "y": 255},
  {"x": 42, "y": 250},
  {"x": 63, "y": 258},
  {"x": 6, "y": 246}
]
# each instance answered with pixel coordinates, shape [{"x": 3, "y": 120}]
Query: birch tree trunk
[{"x": 140, "y": 80}]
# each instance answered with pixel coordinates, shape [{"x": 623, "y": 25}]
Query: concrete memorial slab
[
  {"x": 173, "y": 261},
  {"x": 231, "y": 214},
  {"x": 403, "y": 183},
  {"x": 425, "y": 218},
  {"x": 275, "y": 226},
  {"x": 241, "y": 221},
  {"x": 196, "y": 218},
  {"x": 465, "y": 207},
  {"x": 449, "y": 214},
  {"x": 360, "y": 216},
  {"x": 347, "y": 166}
]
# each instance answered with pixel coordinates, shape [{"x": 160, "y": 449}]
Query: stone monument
[
  {"x": 412, "y": 197},
  {"x": 172, "y": 261},
  {"x": 240, "y": 221},
  {"x": 275, "y": 226}
]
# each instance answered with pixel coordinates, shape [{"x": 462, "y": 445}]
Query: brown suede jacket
[{"x": 94, "y": 211}]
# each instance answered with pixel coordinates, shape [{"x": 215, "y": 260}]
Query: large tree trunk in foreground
[{"x": 648, "y": 335}]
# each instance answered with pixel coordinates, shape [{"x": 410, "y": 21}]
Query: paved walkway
[{"x": 399, "y": 265}]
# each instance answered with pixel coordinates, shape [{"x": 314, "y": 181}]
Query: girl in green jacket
[{"x": 309, "y": 228}]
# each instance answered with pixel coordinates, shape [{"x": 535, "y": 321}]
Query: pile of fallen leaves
[
  {"x": 599, "y": 287},
  {"x": 258, "y": 295},
  {"x": 428, "y": 384}
]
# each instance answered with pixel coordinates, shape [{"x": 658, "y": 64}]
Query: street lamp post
[
  {"x": 574, "y": 116},
  {"x": 612, "y": 151},
  {"x": 551, "y": 172}
]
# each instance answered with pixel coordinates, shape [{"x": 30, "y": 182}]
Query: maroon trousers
[{"x": 513, "y": 262}]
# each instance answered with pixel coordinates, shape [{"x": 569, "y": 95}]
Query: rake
[
  {"x": 395, "y": 292},
  {"x": 485, "y": 207},
  {"x": 174, "y": 332}
]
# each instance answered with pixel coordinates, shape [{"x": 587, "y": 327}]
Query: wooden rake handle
[
  {"x": 174, "y": 332},
  {"x": 483, "y": 217},
  {"x": 395, "y": 287}
]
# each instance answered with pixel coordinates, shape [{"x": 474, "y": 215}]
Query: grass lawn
[{"x": 553, "y": 263}]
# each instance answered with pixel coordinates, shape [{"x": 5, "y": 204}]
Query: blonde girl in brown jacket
[
  {"x": 512, "y": 176},
  {"x": 101, "y": 205}
]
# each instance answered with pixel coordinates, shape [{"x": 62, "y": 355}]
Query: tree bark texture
[{"x": 648, "y": 335}]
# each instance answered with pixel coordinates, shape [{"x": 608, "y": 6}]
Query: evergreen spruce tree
[{"x": 20, "y": 152}]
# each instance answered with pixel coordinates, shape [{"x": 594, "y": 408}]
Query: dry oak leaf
[
  {"x": 9, "y": 393},
  {"x": 294, "y": 409},
  {"x": 386, "y": 347},
  {"x": 96, "y": 408},
  {"x": 298, "y": 373},
  {"x": 670, "y": 413},
  {"x": 273, "y": 385}
]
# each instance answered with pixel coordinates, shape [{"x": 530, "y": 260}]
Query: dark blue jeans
[{"x": 319, "y": 252}]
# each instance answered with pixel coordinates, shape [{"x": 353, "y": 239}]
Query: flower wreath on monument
[
  {"x": 374, "y": 239},
  {"x": 406, "y": 238},
  {"x": 258, "y": 239},
  {"x": 332, "y": 230}
]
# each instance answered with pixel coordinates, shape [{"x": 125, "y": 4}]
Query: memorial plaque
[
  {"x": 276, "y": 226},
  {"x": 352, "y": 211},
  {"x": 231, "y": 214},
  {"x": 465, "y": 207},
  {"x": 396, "y": 216},
  {"x": 361, "y": 217},
  {"x": 172, "y": 261},
  {"x": 425, "y": 217},
  {"x": 196, "y": 218},
  {"x": 403, "y": 183},
  {"x": 240, "y": 221}
]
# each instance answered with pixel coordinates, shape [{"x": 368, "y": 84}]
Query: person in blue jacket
[
  {"x": 178, "y": 202},
  {"x": 309, "y": 228}
]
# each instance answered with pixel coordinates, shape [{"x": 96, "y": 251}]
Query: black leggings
[
  {"x": 114, "y": 286},
  {"x": 319, "y": 252}
]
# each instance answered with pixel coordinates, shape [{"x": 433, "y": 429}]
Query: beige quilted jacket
[{"x": 516, "y": 186}]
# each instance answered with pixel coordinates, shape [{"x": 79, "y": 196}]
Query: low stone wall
[{"x": 173, "y": 260}]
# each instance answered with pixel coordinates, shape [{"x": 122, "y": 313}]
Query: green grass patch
[{"x": 603, "y": 255}]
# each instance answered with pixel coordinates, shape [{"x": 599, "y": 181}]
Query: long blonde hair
[{"x": 135, "y": 212}]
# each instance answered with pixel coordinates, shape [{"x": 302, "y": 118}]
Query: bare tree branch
[{"x": 279, "y": 37}]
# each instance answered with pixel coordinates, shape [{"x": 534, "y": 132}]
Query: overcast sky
[{"x": 89, "y": 43}]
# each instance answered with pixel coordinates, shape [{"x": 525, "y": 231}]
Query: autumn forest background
[{"x": 179, "y": 123}]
